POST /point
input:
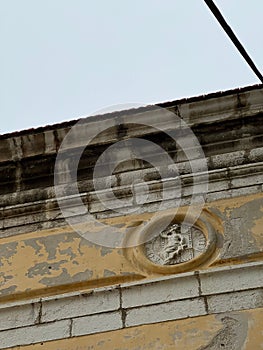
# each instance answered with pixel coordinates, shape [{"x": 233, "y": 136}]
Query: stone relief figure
[{"x": 174, "y": 243}]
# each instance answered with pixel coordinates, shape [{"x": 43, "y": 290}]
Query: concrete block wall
[{"x": 214, "y": 291}]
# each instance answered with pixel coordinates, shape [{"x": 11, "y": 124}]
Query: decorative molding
[{"x": 183, "y": 246}]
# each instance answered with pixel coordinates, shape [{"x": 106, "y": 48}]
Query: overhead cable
[{"x": 214, "y": 9}]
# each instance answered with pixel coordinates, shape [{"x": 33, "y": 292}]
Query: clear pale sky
[{"x": 61, "y": 59}]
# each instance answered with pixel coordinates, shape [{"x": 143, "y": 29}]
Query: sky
[{"x": 62, "y": 59}]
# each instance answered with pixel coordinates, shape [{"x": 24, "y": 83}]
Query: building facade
[{"x": 139, "y": 229}]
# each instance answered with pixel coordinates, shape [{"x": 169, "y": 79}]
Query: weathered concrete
[
  {"x": 35, "y": 334},
  {"x": 83, "y": 304},
  {"x": 108, "y": 309},
  {"x": 57, "y": 289},
  {"x": 231, "y": 330},
  {"x": 96, "y": 323}
]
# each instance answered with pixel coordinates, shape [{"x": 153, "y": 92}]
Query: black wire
[{"x": 233, "y": 37}]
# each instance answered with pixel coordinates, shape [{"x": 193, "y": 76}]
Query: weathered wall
[
  {"x": 60, "y": 291},
  {"x": 231, "y": 330},
  {"x": 214, "y": 292},
  {"x": 59, "y": 259}
]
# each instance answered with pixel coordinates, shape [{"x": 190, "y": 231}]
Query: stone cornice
[
  {"x": 228, "y": 127},
  {"x": 206, "y": 110}
]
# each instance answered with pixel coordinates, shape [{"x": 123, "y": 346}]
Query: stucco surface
[
  {"x": 40, "y": 262},
  {"x": 230, "y": 331}
]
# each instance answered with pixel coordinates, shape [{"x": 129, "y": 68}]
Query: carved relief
[{"x": 177, "y": 244}]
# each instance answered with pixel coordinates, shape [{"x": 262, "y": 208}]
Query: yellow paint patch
[
  {"x": 257, "y": 230},
  {"x": 77, "y": 265},
  {"x": 255, "y": 330},
  {"x": 227, "y": 205}
]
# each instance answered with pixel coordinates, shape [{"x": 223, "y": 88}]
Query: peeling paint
[
  {"x": 108, "y": 273},
  {"x": 44, "y": 268},
  {"x": 105, "y": 251},
  {"x": 65, "y": 278},
  {"x": 4, "y": 278},
  {"x": 26, "y": 258},
  {"x": 233, "y": 334},
  {"x": 224, "y": 331},
  {"x": 239, "y": 238},
  {"x": 7, "y": 251},
  {"x": 68, "y": 252},
  {"x": 8, "y": 290}
]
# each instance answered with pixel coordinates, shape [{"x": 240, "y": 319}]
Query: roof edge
[{"x": 166, "y": 104}]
